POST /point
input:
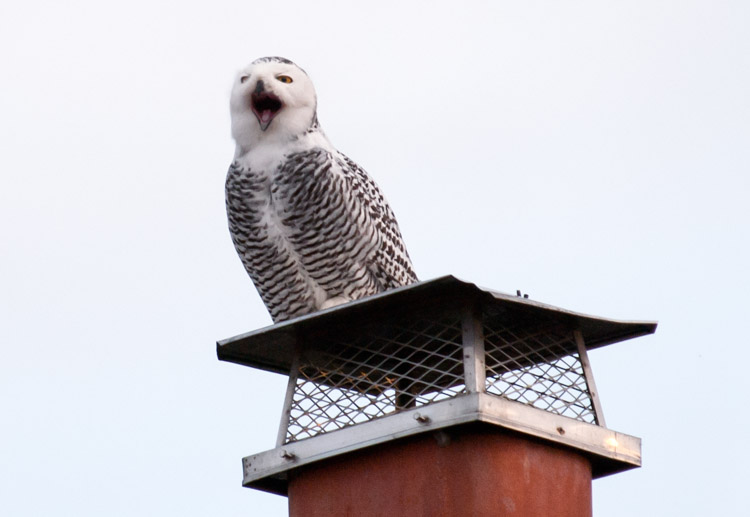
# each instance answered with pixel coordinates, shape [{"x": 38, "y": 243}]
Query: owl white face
[{"x": 271, "y": 98}]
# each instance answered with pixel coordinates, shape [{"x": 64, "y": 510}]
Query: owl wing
[
  {"x": 273, "y": 266},
  {"x": 389, "y": 262},
  {"x": 342, "y": 228}
]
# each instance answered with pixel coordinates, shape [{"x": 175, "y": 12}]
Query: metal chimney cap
[{"x": 272, "y": 348}]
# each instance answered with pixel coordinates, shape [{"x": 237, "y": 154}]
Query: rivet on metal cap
[{"x": 422, "y": 419}]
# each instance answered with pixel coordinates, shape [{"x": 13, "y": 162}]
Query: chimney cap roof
[{"x": 272, "y": 348}]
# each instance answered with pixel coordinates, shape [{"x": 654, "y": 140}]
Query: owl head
[{"x": 272, "y": 98}]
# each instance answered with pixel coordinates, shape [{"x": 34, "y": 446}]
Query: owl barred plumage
[{"x": 312, "y": 229}]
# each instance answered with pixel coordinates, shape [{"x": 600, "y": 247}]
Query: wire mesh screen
[
  {"x": 538, "y": 366},
  {"x": 371, "y": 374}
]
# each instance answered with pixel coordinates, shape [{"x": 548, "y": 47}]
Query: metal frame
[
  {"x": 609, "y": 451},
  {"x": 429, "y": 357},
  {"x": 272, "y": 348},
  {"x": 588, "y": 374},
  {"x": 539, "y": 364},
  {"x": 473, "y": 345},
  {"x": 346, "y": 379},
  {"x": 350, "y": 378},
  {"x": 286, "y": 409}
]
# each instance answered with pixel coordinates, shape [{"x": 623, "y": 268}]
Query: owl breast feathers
[{"x": 312, "y": 229}]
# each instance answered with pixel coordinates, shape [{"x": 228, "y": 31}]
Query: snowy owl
[{"x": 312, "y": 229}]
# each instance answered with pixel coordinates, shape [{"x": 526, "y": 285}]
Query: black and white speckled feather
[{"x": 312, "y": 229}]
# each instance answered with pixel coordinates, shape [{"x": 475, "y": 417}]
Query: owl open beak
[{"x": 266, "y": 106}]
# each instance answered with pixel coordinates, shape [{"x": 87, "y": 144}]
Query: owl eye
[
  {"x": 284, "y": 78},
  {"x": 244, "y": 78}
]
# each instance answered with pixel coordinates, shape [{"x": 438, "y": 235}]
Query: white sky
[{"x": 593, "y": 154}]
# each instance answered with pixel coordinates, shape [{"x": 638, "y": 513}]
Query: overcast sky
[{"x": 593, "y": 154}]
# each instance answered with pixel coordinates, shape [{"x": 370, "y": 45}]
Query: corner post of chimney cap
[
  {"x": 288, "y": 399},
  {"x": 588, "y": 374},
  {"x": 473, "y": 347}
]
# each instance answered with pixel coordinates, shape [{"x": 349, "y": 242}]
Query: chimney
[{"x": 438, "y": 398}]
